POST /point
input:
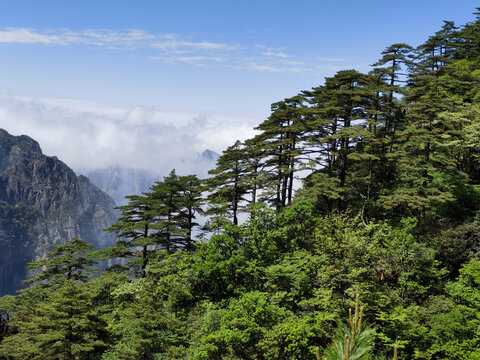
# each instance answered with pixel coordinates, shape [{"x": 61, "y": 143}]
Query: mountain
[
  {"x": 43, "y": 203},
  {"x": 119, "y": 181},
  {"x": 208, "y": 156}
]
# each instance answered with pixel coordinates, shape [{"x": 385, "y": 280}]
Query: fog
[{"x": 88, "y": 135}]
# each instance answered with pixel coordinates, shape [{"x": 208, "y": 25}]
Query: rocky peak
[
  {"x": 210, "y": 155},
  {"x": 58, "y": 205},
  {"x": 16, "y": 148},
  {"x": 40, "y": 181}
]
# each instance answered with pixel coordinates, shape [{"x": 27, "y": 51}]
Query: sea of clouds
[{"x": 88, "y": 135}]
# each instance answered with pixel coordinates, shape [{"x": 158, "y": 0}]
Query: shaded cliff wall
[{"x": 43, "y": 203}]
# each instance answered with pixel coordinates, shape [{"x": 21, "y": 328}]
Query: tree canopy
[{"x": 364, "y": 189}]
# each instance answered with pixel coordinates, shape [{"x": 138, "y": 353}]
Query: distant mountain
[
  {"x": 209, "y": 156},
  {"x": 43, "y": 203},
  {"x": 119, "y": 181}
]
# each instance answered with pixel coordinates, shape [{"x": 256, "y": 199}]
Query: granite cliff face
[{"x": 43, "y": 203}]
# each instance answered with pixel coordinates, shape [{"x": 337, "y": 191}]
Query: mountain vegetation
[{"x": 347, "y": 228}]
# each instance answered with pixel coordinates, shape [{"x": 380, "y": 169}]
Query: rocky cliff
[{"x": 43, "y": 203}]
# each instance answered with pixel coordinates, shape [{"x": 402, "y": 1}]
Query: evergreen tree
[
  {"x": 468, "y": 39},
  {"x": 391, "y": 72},
  {"x": 343, "y": 107},
  {"x": 64, "y": 325},
  {"x": 55, "y": 317},
  {"x": 162, "y": 218},
  {"x": 176, "y": 201},
  {"x": 424, "y": 158},
  {"x": 229, "y": 184},
  {"x": 282, "y": 142},
  {"x": 69, "y": 261},
  {"x": 134, "y": 228},
  {"x": 354, "y": 340},
  {"x": 258, "y": 176}
]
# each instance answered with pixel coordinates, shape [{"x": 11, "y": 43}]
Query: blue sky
[{"x": 88, "y": 63}]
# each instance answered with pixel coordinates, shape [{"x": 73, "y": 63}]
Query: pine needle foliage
[{"x": 353, "y": 340}]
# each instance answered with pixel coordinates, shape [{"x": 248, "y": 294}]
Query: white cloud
[
  {"x": 174, "y": 44},
  {"x": 194, "y": 60},
  {"x": 274, "y": 54},
  {"x": 292, "y": 62},
  {"x": 276, "y": 68},
  {"x": 167, "y": 48},
  {"x": 68, "y": 37},
  {"x": 91, "y": 135},
  {"x": 28, "y": 36},
  {"x": 330, "y": 60},
  {"x": 271, "y": 52},
  {"x": 110, "y": 38}
]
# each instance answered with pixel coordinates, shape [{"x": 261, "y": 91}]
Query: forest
[{"x": 347, "y": 228}]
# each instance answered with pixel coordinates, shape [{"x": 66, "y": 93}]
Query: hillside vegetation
[{"x": 368, "y": 184}]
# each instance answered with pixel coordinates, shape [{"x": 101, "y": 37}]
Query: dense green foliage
[{"x": 387, "y": 166}]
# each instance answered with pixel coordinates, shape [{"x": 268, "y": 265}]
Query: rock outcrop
[{"x": 43, "y": 203}]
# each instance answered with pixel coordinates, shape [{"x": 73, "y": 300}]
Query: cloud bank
[
  {"x": 88, "y": 135},
  {"x": 168, "y": 48}
]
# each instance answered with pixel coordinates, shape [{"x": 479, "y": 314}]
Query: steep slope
[{"x": 43, "y": 203}]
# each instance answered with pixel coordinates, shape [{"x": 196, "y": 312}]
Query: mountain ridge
[
  {"x": 119, "y": 181},
  {"x": 43, "y": 203}
]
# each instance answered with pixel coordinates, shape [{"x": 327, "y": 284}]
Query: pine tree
[
  {"x": 282, "y": 142},
  {"x": 63, "y": 325},
  {"x": 160, "y": 219},
  {"x": 468, "y": 42},
  {"x": 391, "y": 72},
  {"x": 176, "y": 200},
  {"x": 55, "y": 317},
  {"x": 258, "y": 176},
  {"x": 228, "y": 186},
  {"x": 134, "y": 228},
  {"x": 424, "y": 158},
  {"x": 343, "y": 109},
  {"x": 67, "y": 261},
  {"x": 354, "y": 340}
]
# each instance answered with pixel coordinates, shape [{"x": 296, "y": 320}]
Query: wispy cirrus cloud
[
  {"x": 68, "y": 37},
  {"x": 193, "y": 60},
  {"x": 174, "y": 43},
  {"x": 167, "y": 48},
  {"x": 270, "y": 52},
  {"x": 28, "y": 36},
  {"x": 278, "y": 68},
  {"x": 330, "y": 60}
]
